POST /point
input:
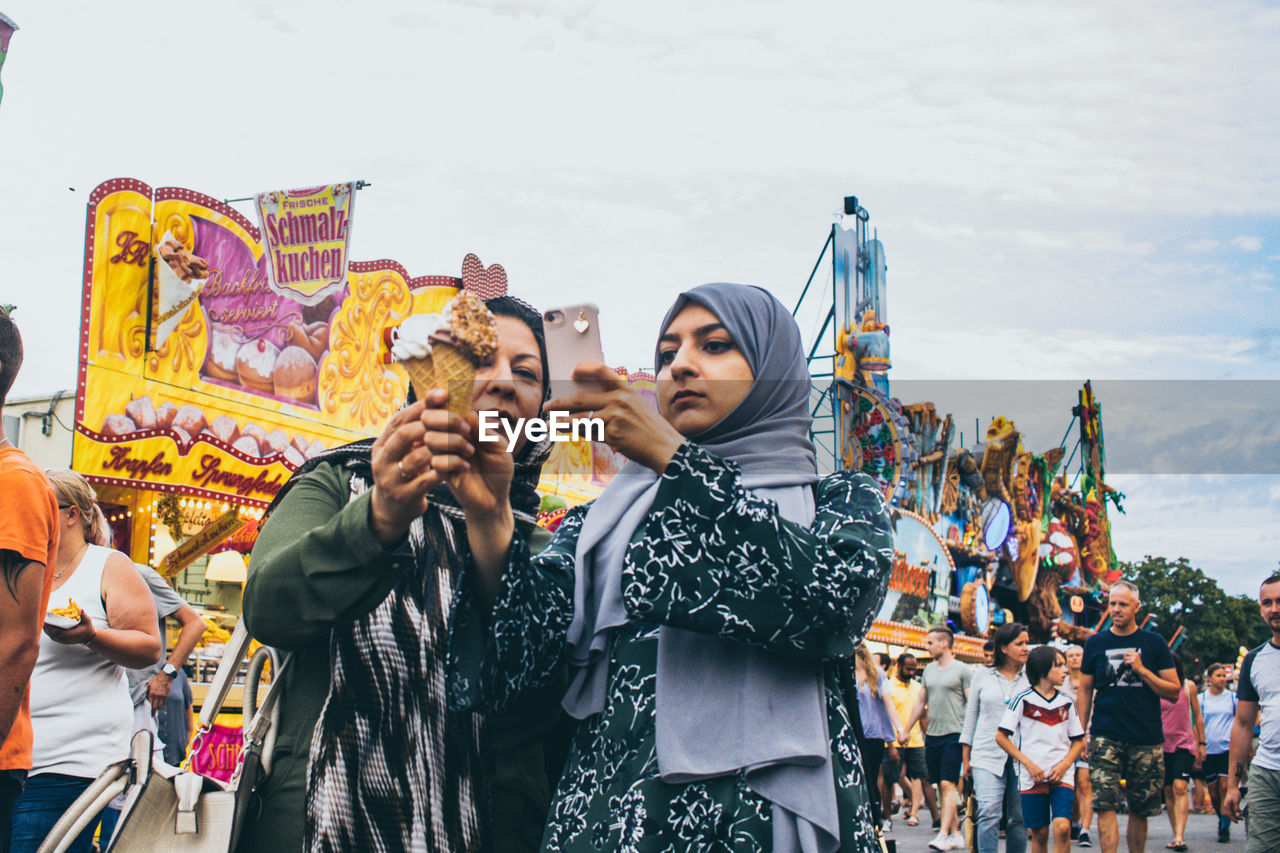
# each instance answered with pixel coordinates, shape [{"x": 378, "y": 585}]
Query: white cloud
[
  {"x": 1206, "y": 245},
  {"x": 1222, "y": 525},
  {"x": 1246, "y": 243},
  {"x": 1024, "y": 353}
]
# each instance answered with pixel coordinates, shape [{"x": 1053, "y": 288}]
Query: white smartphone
[{"x": 573, "y": 337}]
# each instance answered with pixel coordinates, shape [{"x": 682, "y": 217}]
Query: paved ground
[{"x": 1202, "y": 835}]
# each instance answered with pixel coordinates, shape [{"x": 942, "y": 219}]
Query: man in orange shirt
[
  {"x": 904, "y": 692},
  {"x": 28, "y": 551}
]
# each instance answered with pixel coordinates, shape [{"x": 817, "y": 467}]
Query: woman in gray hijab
[{"x": 704, "y": 604}]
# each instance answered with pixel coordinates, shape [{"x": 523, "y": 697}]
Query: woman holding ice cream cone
[{"x": 353, "y": 573}]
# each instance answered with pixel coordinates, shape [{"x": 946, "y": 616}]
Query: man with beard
[{"x": 1259, "y": 687}]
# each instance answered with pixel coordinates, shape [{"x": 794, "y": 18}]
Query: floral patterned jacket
[{"x": 711, "y": 557}]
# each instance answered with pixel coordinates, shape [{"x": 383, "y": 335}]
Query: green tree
[{"x": 1177, "y": 594}]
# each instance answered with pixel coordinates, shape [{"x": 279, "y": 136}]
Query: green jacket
[{"x": 316, "y": 565}]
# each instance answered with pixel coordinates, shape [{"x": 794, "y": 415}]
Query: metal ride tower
[{"x": 856, "y": 424}]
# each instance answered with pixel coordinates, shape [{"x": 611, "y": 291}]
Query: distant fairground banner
[{"x": 306, "y": 234}]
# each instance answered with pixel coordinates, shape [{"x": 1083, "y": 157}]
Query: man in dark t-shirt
[{"x": 1125, "y": 672}]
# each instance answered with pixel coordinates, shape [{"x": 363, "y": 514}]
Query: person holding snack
[
  {"x": 81, "y": 714},
  {"x": 707, "y": 603},
  {"x": 353, "y": 573}
]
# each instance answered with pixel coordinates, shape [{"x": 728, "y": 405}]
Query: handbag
[
  {"x": 167, "y": 808},
  {"x": 970, "y": 816}
]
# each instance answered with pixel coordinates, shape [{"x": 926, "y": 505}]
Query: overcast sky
[{"x": 1064, "y": 190}]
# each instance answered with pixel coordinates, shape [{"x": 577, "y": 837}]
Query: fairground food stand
[{"x": 205, "y": 381}]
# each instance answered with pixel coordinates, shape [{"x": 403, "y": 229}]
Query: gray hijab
[{"x": 721, "y": 706}]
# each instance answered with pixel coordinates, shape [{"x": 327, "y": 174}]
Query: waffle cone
[
  {"x": 422, "y": 374},
  {"x": 456, "y": 373},
  {"x": 448, "y": 368}
]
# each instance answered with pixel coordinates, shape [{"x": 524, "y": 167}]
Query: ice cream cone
[
  {"x": 445, "y": 368},
  {"x": 443, "y": 351},
  {"x": 422, "y": 374},
  {"x": 456, "y": 373}
]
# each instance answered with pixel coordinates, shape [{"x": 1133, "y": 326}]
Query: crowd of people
[
  {"x": 680, "y": 666},
  {"x": 1045, "y": 738}
]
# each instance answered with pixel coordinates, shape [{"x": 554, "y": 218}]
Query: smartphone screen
[{"x": 573, "y": 337}]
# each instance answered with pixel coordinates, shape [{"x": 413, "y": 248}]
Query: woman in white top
[
  {"x": 81, "y": 715},
  {"x": 1218, "y": 706},
  {"x": 994, "y": 773}
]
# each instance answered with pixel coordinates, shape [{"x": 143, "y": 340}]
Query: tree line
[{"x": 1177, "y": 594}]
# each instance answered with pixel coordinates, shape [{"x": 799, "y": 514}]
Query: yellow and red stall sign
[
  {"x": 196, "y": 377},
  {"x": 200, "y": 544},
  {"x": 306, "y": 234}
]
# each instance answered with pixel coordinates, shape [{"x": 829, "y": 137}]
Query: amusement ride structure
[{"x": 983, "y": 534}]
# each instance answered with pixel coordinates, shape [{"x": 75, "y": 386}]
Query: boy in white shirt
[{"x": 1041, "y": 729}]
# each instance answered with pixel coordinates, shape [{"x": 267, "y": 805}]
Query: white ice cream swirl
[{"x": 411, "y": 338}]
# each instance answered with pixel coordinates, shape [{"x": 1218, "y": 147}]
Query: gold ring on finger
[{"x": 404, "y": 475}]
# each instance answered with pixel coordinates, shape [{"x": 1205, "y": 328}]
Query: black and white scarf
[{"x": 391, "y": 768}]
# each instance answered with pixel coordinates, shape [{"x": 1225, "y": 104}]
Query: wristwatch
[{"x": 169, "y": 670}]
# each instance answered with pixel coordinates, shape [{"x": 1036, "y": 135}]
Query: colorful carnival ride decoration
[
  {"x": 862, "y": 354},
  {"x": 7, "y": 29},
  {"x": 1015, "y": 532},
  {"x": 920, "y": 586},
  {"x": 877, "y": 439},
  {"x": 1058, "y": 551},
  {"x": 1089, "y": 509},
  {"x": 919, "y": 595},
  {"x": 1021, "y": 544},
  {"x": 975, "y": 609},
  {"x": 931, "y": 437},
  {"x": 1042, "y": 561}
]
